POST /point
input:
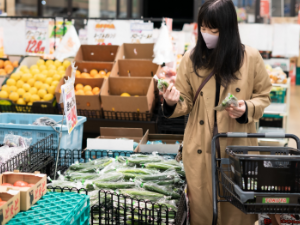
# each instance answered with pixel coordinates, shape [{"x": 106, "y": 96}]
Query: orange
[
  {"x": 1, "y": 63},
  {"x": 88, "y": 93},
  {"x": 9, "y": 68},
  {"x": 97, "y": 76},
  {"x": 93, "y": 73},
  {"x": 15, "y": 64},
  {"x": 102, "y": 73},
  {"x": 85, "y": 75},
  {"x": 79, "y": 92},
  {"x": 107, "y": 75},
  {"x": 7, "y": 62},
  {"x": 96, "y": 90},
  {"x": 2, "y": 72},
  {"x": 78, "y": 87},
  {"x": 77, "y": 74},
  {"x": 87, "y": 88}
]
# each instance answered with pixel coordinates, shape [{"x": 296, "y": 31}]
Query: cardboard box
[
  {"x": 135, "y": 51},
  {"x": 170, "y": 146},
  {"x": 113, "y": 87},
  {"x": 12, "y": 205},
  {"x": 134, "y": 68},
  {"x": 97, "y": 53},
  {"x": 87, "y": 102},
  {"x": 88, "y": 66},
  {"x": 29, "y": 195}
]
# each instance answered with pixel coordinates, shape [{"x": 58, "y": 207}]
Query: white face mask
[{"x": 210, "y": 40}]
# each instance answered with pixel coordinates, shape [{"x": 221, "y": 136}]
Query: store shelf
[{"x": 287, "y": 85}]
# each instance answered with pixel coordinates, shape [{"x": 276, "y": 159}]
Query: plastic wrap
[
  {"x": 44, "y": 121},
  {"x": 150, "y": 186},
  {"x": 143, "y": 160},
  {"x": 108, "y": 177},
  {"x": 12, "y": 140},
  {"x": 229, "y": 100},
  {"x": 7, "y": 153},
  {"x": 141, "y": 194},
  {"x": 164, "y": 84},
  {"x": 68, "y": 184}
]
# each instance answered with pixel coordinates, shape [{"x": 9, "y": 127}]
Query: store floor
[{"x": 294, "y": 120}]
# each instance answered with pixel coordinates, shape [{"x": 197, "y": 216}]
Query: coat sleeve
[
  {"x": 183, "y": 85},
  {"x": 261, "y": 91}
]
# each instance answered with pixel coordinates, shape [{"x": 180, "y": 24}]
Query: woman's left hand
[{"x": 237, "y": 112}]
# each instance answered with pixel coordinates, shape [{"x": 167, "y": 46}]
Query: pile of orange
[
  {"x": 6, "y": 67},
  {"x": 92, "y": 74},
  {"x": 86, "y": 90}
]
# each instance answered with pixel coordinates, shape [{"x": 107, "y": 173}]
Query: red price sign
[{"x": 34, "y": 46}]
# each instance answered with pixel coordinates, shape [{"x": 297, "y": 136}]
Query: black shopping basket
[{"x": 257, "y": 179}]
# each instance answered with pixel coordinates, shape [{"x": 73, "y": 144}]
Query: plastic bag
[
  {"x": 7, "y": 153},
  {"x": 164, "y": 84},
  {"x": 44, "y": 121},
  {"x": 12, "y": 140},
  {"x": 229, "y": 100}
]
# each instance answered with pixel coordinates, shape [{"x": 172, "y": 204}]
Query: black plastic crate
[
  {"x": 275, "y": 169},
  {"x": 271, "y": 122},
  {"x": 132, "y": 116}
]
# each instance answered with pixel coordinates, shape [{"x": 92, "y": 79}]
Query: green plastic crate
[
  {"x": 67, "y": 208},
  {"x": 278, "y": 96}
]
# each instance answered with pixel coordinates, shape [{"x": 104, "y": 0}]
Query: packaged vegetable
[
  {"x": 229, "y": 100},
  {"x": 148, "y": 195},
  {"x": 164, "y": 84},
  {"x": 149, "y": 186}
]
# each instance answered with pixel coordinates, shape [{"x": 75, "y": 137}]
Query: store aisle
[{"x": 294, "y": 120}]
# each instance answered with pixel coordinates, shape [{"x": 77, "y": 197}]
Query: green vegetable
[
  {"x": 134, "y": 193},
  {"x": 160, "y": 176},
  {"x": 127, "y": 176},
  {"x": 115, "y": 185},
  {"x": 164, "y": 84},
  {"x": 160, "y": 189},
  {"x": 181, "y": 173},
  {"x": 81, "y": 176},
  {"x": 144, "y": 160},
  {"x": 109, "y": 177},
  {"x": 135, "y": 171},
  {"x": 162, "y": 166},
  {"x": 168, "y": 182}
]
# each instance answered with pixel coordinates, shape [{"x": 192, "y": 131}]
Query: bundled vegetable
[
  {"x": 164, "y": 84},
  {"x": 229, "y": 100},
  {"x": 148, "y": 195},
  {"x": 159, "y": 189}
]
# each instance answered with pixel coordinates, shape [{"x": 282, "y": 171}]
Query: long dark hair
[{"x": 227, "y": 58}]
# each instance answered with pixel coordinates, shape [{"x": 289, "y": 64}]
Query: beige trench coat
[{"x": 254, "y": 87}]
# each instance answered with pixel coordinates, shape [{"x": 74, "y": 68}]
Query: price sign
[
  {"x": 141, "y": 32},
  {"x": 104, "y": 32},
  {"x": 37, "y": 37},
  {"x": 69, "y": 101}
]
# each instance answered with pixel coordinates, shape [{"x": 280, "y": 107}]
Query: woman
[{"x": 238, "y": 70}]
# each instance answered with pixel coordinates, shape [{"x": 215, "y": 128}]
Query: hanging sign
[
  {"x": 105, "y": 32},
  {"x": 264, "y": 8},
  {"x": 141, "y": 32},
  {"x": 37, "y": 37},
  {"x": 69, "y": 101}
]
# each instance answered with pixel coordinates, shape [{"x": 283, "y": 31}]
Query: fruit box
[
  {"x": 97, "y": 53},
  {"x": 113, "y": 87},
  {"x": 88, "y": 66},
  {"x": 87, "y": 102},
  {"x": 12, "y": 205},
  {"x": 135, "y": 51},
  {"x": 169, "y": 147},
  {"x": 134, "y": 68},
  {"x": 29, "y": 195}
]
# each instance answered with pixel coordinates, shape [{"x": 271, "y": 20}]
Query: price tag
[
  {"x": 104, "y": 32},
  {"x": 37, "y": 37},
  {"x": 69, "y": 101},
  {"x": 141, "y": 32}
]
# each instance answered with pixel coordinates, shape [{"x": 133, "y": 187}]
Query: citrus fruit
[
  {"x": 27, "y": 97},
  {"x": 35, "y": 71},
  {"x": 79, "y": 92},
  {"x": 15, "y": 64},
  {"x": 85, "y": 75},
  {"x": 29, "y": 103},
  {"x": 21, "y": 92},
  {"x": 45, "y": 86},
  {"x": 96, "y": 90},
  {"x": 48, "y": 97},
  {"x": 13, "y": 96},
  {"x": 33, "y": 67},
  {"x": 125, "y": 95},
  {"x": 12, "y": 89},
  {"x": 35, "y": 98},
  {"x": 93, "y": 73},
  {"x": 61, "y": 72},
  {"x": 7, "y": 62},
  {"x": 51, "y": 90},
  {"x": 24, "y": 68},
  {"x": 41, "y": 77},
  {"x": 78, "y": 87},
  {"x": 11, "y": 82},
  {"x": 25, "y": 77},
  {"x": 42, "y": 93},
  {"x": 108, "y": 73},
  {"x": 15, "y": 76},
  {"x": 61, "y": 68},
  {"x": 54, "y": 83},
  {"x": 87, "y": 88},
  {"x": 49, "y": 62},
  {"x": 57, "y": 63},
  {"x": 21, "y": 101},
  {"x": 102, "y": 73},
  {"x": 26, "y": 87},
  {"x": 49, "y": 80},
  {"x": 77, "y": 74},
  {"x": 33, "y": 90},
  {"x": 97, "y": 76},
  {"x": 42, "y": 67},
  {"x": 2, "y": 72},
  {"x": 38, "y": 84},
  {"x": 31, "y": 82},
  {"x": 51, "y": 67},
  {"x": 40, "y": 62},
  {"x": 56, "y": 77},
  {"x": 66, "y": 64},
  {"x": 45, "y": 72},
  {"x": 1, "y": 63},
  {"x": 51, "y": 73},
  {"x": 5, "y": 88},
  {"x": 88, "y": 93},
  {"x": 3, "y": 94}
]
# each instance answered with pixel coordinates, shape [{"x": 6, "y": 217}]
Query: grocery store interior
[{"x": 97, "y": 123}]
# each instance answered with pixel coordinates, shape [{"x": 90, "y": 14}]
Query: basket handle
[{"x": 214, "y": 161}]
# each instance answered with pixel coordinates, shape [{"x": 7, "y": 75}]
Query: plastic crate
[
  {"x": 56, "y": 208},
  {"x": 21, "y": 124},
  {"x": 271, "y": 121},
  {"x": 278, "y": 96},
  {"x": 275, "y": 169}
]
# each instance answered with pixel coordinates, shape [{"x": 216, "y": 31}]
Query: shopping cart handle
[{"x": 244, "y": 196}]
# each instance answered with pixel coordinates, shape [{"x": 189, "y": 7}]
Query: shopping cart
[{"x": 267, "y": 182}]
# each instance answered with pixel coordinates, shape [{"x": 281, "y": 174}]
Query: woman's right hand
[{"x": 171, "y": 95}]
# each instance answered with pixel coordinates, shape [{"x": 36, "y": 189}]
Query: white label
[{"x": 12, "y": 192}]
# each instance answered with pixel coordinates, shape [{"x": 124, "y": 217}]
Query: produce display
[
  {"x": 7, "y": 67},
  {"x": 93, "y": 74},
  {"x": 86, "y": 90},
  {"x": 148, "y": 177},
  {"x": 277, "y": 75},
  {"x": 37, "y": 83}
]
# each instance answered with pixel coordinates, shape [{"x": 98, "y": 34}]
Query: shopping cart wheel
[{"x": 214, "y": 160}]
